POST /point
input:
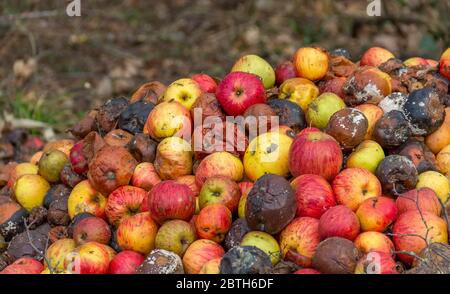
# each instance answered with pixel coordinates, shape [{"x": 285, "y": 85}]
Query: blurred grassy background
[{"x": 54, "y": 67}]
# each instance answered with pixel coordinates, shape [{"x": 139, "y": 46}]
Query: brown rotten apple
[
  {"x": 171, "y": 200},
  {"x": 111, "y": 168},
  {"x": 336, "y": 256},
  {"x": 298, "y": 241}
]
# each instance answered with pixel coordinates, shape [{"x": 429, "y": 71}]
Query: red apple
[
  {"x": 339, "y": 221},
  {"x": 374, "y": 241},
  {"x": 24, "y": 265},
  {"x": 414, "y": 230},
  {"x": 245, "y": 189},
  {"x": 284, "y": 71},
  {"x": 137, "y": 233},
  {"x": 123, "y": 202},
  {"x": 375, "y": 56},
  {"x": 423, "y": 199},
  {"x": 171, "y": 200},
  {"x": 213, "y": 222},
  {"x": 377, "y": 214},
  {"x": 125, "y": 262},
  {"x": 238, "y": 91},
  {"x": 78, "y": 160},
  {"x": 334, "y": 86},
  {"x": 145, "y": 176},
  {"x": 354, "y": 185},
  {"x": 219, "y": 164},
  {"x": 221, "y": 190},
  {"x": 307, "y": 271},
  {"x": 376, "y": 263},
  {"x": 91, "y": 229},
  {"x": 207, "y": 84},
  {"x": 89, "y": 258},
  {"x": 298, "y": 241},
  {"x": 85, "y": 198},
  {"x": 199, "y": 253},
  {"x": 314, "y": 195},
  {"x": 316, "y": 153}
]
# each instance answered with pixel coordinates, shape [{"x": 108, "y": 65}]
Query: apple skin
[
  {"x": 437, "y": 182},
  {"x": 316, "y": 153},
  {"x": 245, "y": 189},
  {"x": 213, "y": 222},
  {"x": 339, "y": 221},
  {"x": 314, "y": 195},
  {"x": 440, "y": 138},
  {"x": 444, "y": 68},
  {"x": 375, "y": 56},
  {"x": 199, "y": 253},
  {"x": 376, "y": 263},
  {"x": 284, "y": 71},
  {"x": 354, "y": 185},
  {"x": 90, "y": 258},
  {"x": 307, "y": 271},
  {"x": 125, "y": 263},
  {"x": 267, "y": 153},
  {"x": 334, "y": 86},
  {"x": 368, "y": 154},
  {"x": 189, "y": 180},
  {"x": 19, "y": 170},
  {"x": 184, "y": 91},
  {"x": 211, "y": 267},
  {"x": 145, "y": 176},
  {"x": 410, "y": 231},
  {"x": 207, "y": 84},
  {"x": 219, "y": 164},
  {"x": 123, "y": 202},
  {"x": 299, "y": 240},
  {"x": 176, "y": 236},
  {"x": 91, "y": 229},
  {"x": 423, "y": 199},
  {"x": 137, "y": 233},
  {"x": 171, "y": 200},
  {"x": 24, "y": 265},
  {"x": 311, "y": 63},
  {"x": 443, "y": 160},
  {"x": 374, "y": 241},
  {"x": 414, "y": 61},
  {"x": 377, "y": 214},
  {"x": 322, "y": 108},
  {"x": 173, "y": 158},
  {"x": 57, "y": 252},
  {"x": 84, "y": 198},
  {"x": 265, "y": 242},
  {"x": 168, "y": 119},
  {"x": 220, "y": 190},
  {"x": 238, "y": 91},
  {"x": 30, "y": 190},
  {"x": 258, "y": 66},
  {"x": 300, "y": 91},
  {"x": 373, "y": 113}
]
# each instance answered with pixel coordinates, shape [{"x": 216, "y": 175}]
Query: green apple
[
  {"x": 256, "y": 65},
  {"x": 367, "y": 155},
  {"x": 265, "y": 242},
  {"x": 176, "y": 236},
  {"x": 322, "y": 108},
  {"x": 51, "y": 165}
]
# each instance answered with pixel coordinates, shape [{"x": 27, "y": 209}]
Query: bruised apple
[
  {"x": 298, "y": 241},
  {"x": 173, "y": 158},
  {"x": 57, "y": 253},
  {"x": 300, "y": 91},
  {"x": 111, "y": 168},
  {"x": 167, "y": 119}
]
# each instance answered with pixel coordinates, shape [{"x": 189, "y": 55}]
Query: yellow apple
[
  {"x": 30, "y": 191},
  {"x": 367, "y": 155},
  {"x": 300, "y": 91},
  {"x": 265, "y": 242},
  {"x": 84, "y": 198},
  {"x": 267, "y": 153},
  {"x": 184, "y": 91},
  {"x": 436, "y": 182}
]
